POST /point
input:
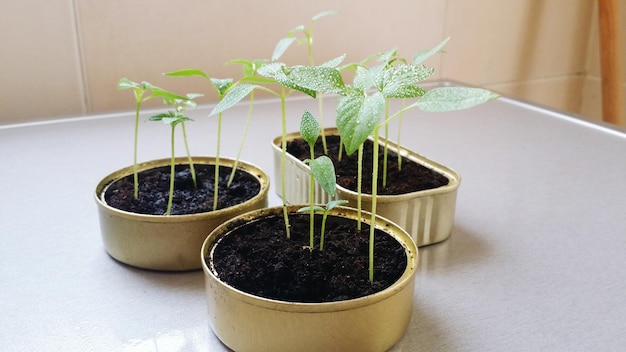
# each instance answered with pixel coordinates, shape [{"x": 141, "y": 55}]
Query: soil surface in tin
[
  {"x": 412, "y": 177},
  {"x": 154, "y": 185},
  {"x": 259, "y": 259}
]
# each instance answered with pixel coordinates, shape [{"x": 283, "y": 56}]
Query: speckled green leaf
[
  {"x": 454, "y": 98},
  {"x": 324, "y": 173},
  {"x": 357, "y": 115}
]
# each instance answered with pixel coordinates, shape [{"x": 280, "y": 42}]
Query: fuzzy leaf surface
[
  {"x": 357, "y": 116},
  {"x": 324, "y": 173},
  {"x": 454, "y": 98}
]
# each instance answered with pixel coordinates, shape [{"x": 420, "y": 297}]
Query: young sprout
[
  {"x": 175, "y": 118},
  {"x": 324, "y": 210},
  {"x": 322, "y": 171},
  {"x": 139, "y": 90},
  {"x": 229, "y": 94}
]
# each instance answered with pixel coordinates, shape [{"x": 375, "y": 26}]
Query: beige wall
[{"x": 63, "y": 58}]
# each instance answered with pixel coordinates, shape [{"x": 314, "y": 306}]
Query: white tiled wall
[{"x": 63, "y": 58}]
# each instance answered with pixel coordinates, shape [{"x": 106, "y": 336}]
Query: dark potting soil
[
  {"x": 259, "y": 259},
  {"x": 154, "y": 185},
  {"x": 412, "y": 177}
]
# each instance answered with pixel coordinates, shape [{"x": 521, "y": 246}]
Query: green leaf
[
  {"x": 221, "y": 85},
  {"x": 401, "y": 81},
  {"x": 125, "y": 83},
  {"x": 357, "y": 116},
  {"x": 232, "y": 97},
  {"x": 281, "y": 47},
  {"x": 423, "y": 55},
  {"x": 364, "y": 78},
  {"x": 316, "y": 78},
  {"x": 316, "y": 208},
  {"x": 160, "y": 117},
  {"x": 324, "y": 173},
  {"x": 309, "y": 128},
  {"x": 165, "y": 94},
  {"x": 454, "y": 98},
  {"x": 275, "y": 71},
  {"x": 323, "y": 14},
  {"x": 334, "y": 62},
  {"x": 187, "y": 73},
  {"x": 387, "y": 56},
  {"x": 334, "y": 203}
]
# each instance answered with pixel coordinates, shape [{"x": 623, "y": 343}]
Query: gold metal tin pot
[
  {"x": 427, "y": 215},
  {"x": 169, "y": 243},
  {"x": 245, "y": 322}
]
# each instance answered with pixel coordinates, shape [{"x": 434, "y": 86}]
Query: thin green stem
[
  {"x": 172, "y": 173},
  {"x": 320, "y": 107},
  {"x": 283, "y": 160},
  {"x": 400, "y": 134},
  {"x": 311, "y": 201},
  {"x": 189, "y": 160},
  {"x": 374, "y": 191},
  {"x": 324, "y": 217},
  {"x": 243, "y": 139},
  {"x": 217, "y": 162},
  {"x": 135, "y": 172},
  {"x": 386, "y": 148},
  {"x": 359, "y": 183}
]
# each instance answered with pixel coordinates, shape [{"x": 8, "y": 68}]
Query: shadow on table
[{"x": 462, "y": 248}]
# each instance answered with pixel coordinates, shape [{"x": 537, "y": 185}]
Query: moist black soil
[
  {"x": 412, "y": 177},
  {"x": 154, "y": 185},
  {"x": 259, "y": 259}
]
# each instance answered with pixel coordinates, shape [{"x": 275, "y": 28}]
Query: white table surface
[{"x": 536, "y": 260}]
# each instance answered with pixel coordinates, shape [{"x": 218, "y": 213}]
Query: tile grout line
[{"x": 83, "y": 83}]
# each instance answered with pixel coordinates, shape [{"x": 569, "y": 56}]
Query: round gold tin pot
[
  {"x": 245, "y": 322},
  {"x": 428, "y": 216},
  {"x": 169, "y": 243}
]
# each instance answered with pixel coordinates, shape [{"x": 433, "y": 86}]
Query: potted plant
[
  {"x": 426, "y": 213},
  {"x": 271, "y": 290},
  {"x": 152, "y": 220}
]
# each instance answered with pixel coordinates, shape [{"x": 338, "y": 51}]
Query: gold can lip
[{"x": 382, "y": 224}]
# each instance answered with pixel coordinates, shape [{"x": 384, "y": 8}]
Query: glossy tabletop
[{"x": 536, "y": 260}]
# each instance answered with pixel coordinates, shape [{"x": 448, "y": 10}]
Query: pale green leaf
[
  {"x": 334, "y": 203},
  {"x": 423, "y": 55},
  {"x": 221, "y": 85},
  {"x": 323, "y": 14},
  {"x": 232, "y": 97},
  {"x": 316, "y": 209},
  {"x": 187, "y": 73},
  {"x": 401, "y": 81},
  {"x": 454, "y": 98},
  {"x": 316, "y": 78},
  {"x": 357, "y": 116},
  {"x": 281, "y": 47},
  {"x": 323, "y": 172},
  {"x": 309, "y": 128}
]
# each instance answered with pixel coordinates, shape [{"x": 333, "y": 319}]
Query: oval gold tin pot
[
  {"x": 428, "y": 216},
  {"x": 245, "y": 322},
  {"x": 169, "y": 243}
]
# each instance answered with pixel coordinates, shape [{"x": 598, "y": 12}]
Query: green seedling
[
  {"x": 139, "y": 91},
  {"x": 324, "y": 210},
  {"x": 229, "y": 94},
  {"x": 173, "y": 119},
  {"x": 363, "y": 102},
  {"x": 322, "y": 171},
  {"x": 260, "y": 74}
]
